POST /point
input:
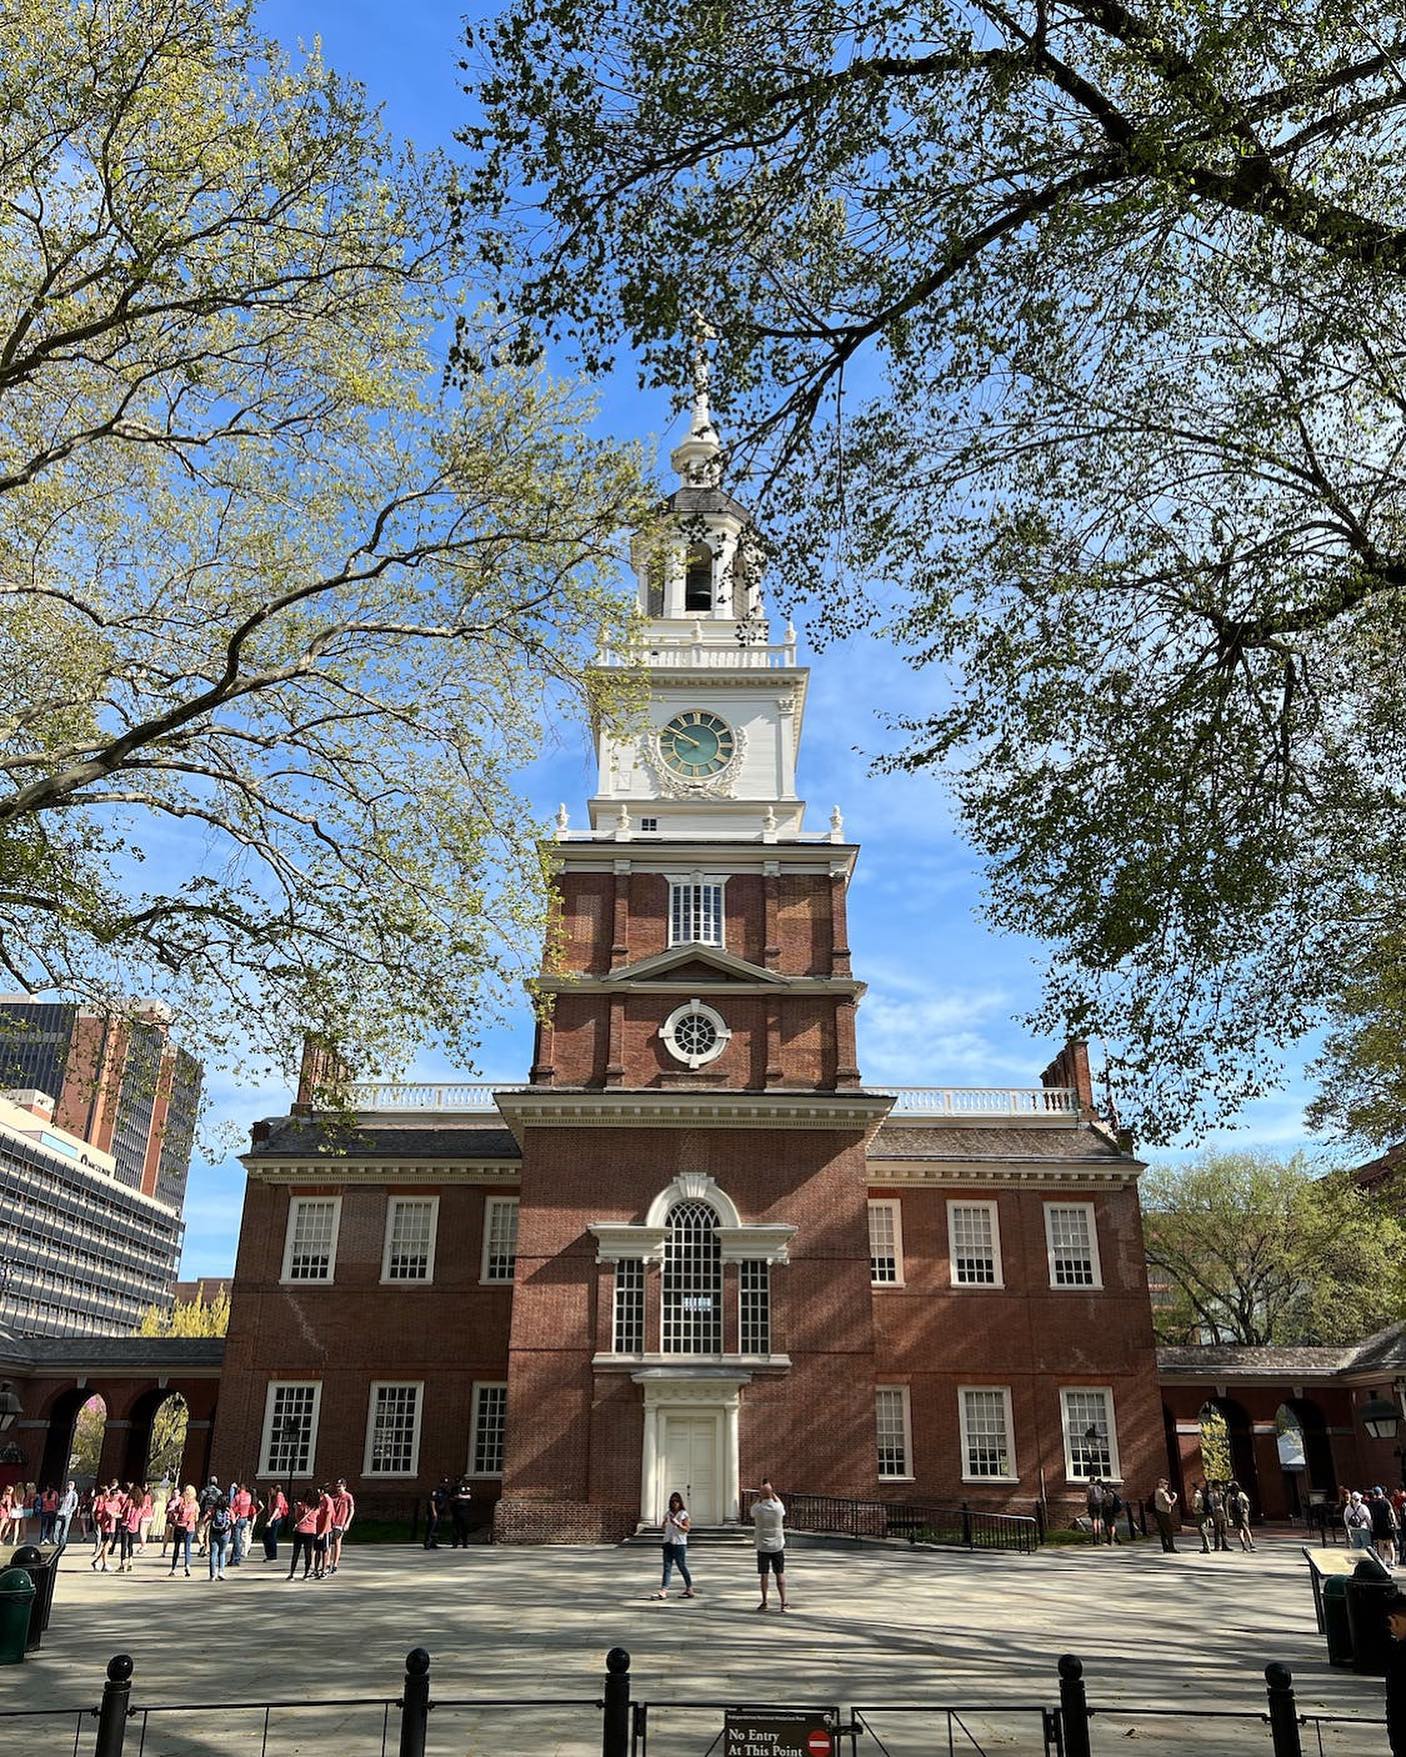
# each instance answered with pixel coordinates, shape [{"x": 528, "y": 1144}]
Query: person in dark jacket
[{"x": 1383, "y": 1526}]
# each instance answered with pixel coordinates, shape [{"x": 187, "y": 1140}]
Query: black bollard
[
  {"x": 415, "y": 1704},
  {"x": 112, "y": 1716},
  {"x": 1283, "y": 1715},
  {"x": 1073, "y": 1706},
  {"x": 615, "y": 1721}
]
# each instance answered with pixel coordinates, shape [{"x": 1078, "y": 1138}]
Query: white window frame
[
  {"x": 295, "y": 1204},
  {"x": 480, "y": 1386},
  {"x": 392, "y": 1203},
  {"x": 905, "y": 1475},
  {"x": 895, "y": 1207},
  {"x": 1095, "y": 1261},
  {"x": 1115, "y": 1470},
  {"x": 489, "y": 1203},
  {"x": 692, "y": 879},
  {"x": 993, "y": 1209},
  {"x": 688, "y": 1057},
  {"x": 418, "y": 1386},
  {"x": 754, "y": 1265},
  {"x": 635, "y": 1264},
  {"x": 968, "y": 1475},
  {"x": 266, "y": 1437}
]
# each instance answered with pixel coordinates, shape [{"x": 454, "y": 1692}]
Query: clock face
[{"x": 696, "y": 745}]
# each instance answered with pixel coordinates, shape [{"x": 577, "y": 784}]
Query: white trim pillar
[
  {"x": 649, "y": 1464},
  {"x": 731, "y": 1470}
]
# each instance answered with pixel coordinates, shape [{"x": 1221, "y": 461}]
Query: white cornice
[
  {"x": 554, "y": 1107},
  {"x": 615, "y": 984},
  {"x": 1089, "y": 1173},
  {"x": 379, "y": 1171}
]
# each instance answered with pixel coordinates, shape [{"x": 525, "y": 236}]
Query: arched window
[
  {"x": 698, "y": 580},
  {"x": 693, "y": 1281}
]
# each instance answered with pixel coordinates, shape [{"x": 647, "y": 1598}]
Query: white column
[
  {"x": 649, "y": 1465},
  {"x": 731, "y": 1486}
]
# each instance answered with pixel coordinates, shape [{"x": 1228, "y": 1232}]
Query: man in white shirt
[
  {"x": 769, "y": 1535},
  {"x": 68, "y": 1506}
]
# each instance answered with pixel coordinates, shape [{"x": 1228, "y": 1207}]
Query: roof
[
  {"x": 959, "y": 1140},
  {"x": 1384, "y": 1352},
  {"x": 1381, "y": 1169},
  {"x": 298, "y": 1137},
  {"x": 707, "y": 498},
  {"x": 144, "y": 1354}
]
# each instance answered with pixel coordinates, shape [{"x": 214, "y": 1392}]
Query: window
[
  {"x": 885, "y": 1244},
  {"x": 490, "y": 1425},
  {"x": 693, "y": 1281},
  {"x": 985, "y": 1412},
  {"x": 974, "y": 1244},
  {"x": 695, "y": 912},
  {"x": 393, "y": 1431},
  {"x": 1090, "y": 1438},
  {"x": 755, "y": 1297},
  {"x": 411, "y": 1224},
  {"x": 695, "y": 1034},
  {"x": 499, "y": 1238},
  {"x": 310, "y": 1250},
  {"x": 698, "y": 578},
  {"x": 648, "y": 824},
  {"x": 1073, "y": 1244},
  {"x": 290, "y": 1429},
  {"x": 895, "y": 1448},
  {"x": 629, "y": 1306}
]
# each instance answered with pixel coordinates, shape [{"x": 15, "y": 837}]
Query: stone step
[{"x": 651, "y": 1536}]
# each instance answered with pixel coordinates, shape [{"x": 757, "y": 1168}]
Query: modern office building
[
  {"x": 116, "y": 1080},
  {"x": 693, "y": 1249},
  {"x": 82, "y": 1251}
]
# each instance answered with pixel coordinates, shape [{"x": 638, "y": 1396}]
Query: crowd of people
[{"x": 121, "y": 1520}]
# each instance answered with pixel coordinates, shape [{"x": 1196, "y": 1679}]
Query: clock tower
[{"x": 693, "y": 1274}]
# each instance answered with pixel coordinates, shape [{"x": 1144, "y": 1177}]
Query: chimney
[
  {"x": 321, "y": 1074},
  {"x": 1071, "y": 1068}
]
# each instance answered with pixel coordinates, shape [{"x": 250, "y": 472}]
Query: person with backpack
[
  {"x": 1112, "y": 1507},
  {"x": 210, "y": 1497},
  {"x": 1383, "y": 1522},
  {"x": 1237, "y": 1512},
  {"x": 1093, "y": 1501},
  {"x": 219, "y": 1530},
  {"x": 1357, "y": 1521},
  {"x": 1201, "y": 1513}
]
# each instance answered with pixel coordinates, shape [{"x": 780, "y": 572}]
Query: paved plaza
[{"x": 872, "y": 1626}]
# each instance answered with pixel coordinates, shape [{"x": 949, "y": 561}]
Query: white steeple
[{"x": 718, "y": 760}]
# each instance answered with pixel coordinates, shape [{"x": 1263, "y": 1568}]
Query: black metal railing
[
  {"x": 964, "y": 1527},
  {"x": 118, "y": 1726}
]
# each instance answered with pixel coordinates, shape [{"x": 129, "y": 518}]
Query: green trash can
[
  {"x": 1367, "y": 1589},
  {"x": 1335, "y": 1623},
  {"x": 16, "y": 1603}
]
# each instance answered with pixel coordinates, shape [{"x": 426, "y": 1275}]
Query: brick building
[{"x": 692, "y": 1248}]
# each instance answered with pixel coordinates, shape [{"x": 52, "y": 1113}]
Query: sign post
[{"x": 779, "y": 1732}]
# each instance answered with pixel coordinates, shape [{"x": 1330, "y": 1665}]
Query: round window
[{"x": 695, "y": 1034}]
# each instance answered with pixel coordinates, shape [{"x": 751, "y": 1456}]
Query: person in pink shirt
[
  {"x": 304, "y": 1532},
  {"x": 183, "y": 1511},
  {"x": 275, "y": 1514},
  {"x": 242, "y": 1507},
  {"x": 343, "y": 1512},
  {"x": 320, "y": 1530},
  {"x": 129, "y": 1524},
  {"x": 147, "y": 1513},
  {"x": 106, "y": 1503}
]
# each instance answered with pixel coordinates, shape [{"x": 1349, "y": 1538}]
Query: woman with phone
[{"x": 676, "y": 1524}]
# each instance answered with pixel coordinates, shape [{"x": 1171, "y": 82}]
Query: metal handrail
[{"x": 941, "y": 1527}]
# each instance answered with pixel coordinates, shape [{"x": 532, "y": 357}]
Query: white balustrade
[{"x": 478, "y": 1097}]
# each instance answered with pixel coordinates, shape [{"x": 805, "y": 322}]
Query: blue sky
[{"x": 945, "y": 991}]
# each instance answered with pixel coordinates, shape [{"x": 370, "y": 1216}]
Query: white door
[{"x": 690, "y": 1465}]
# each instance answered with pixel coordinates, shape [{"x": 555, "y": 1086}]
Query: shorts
[
  {"x": 336, "y": 1531},
  {"x": 319, "y": 1545},
  {"x": 773, "y": 1559}
]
